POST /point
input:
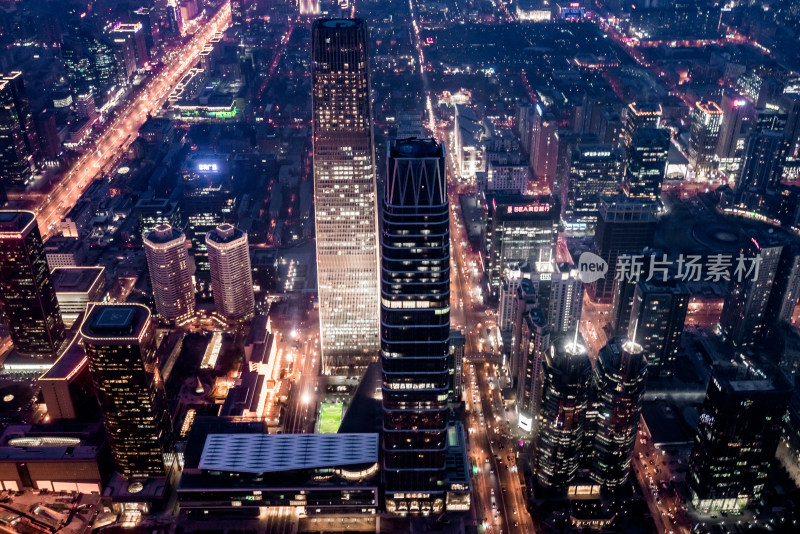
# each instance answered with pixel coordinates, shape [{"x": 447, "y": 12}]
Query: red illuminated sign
[{"x": 530, "y": 208}]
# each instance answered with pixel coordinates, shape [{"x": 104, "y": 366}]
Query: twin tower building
[{"x": 172, "y": 273}]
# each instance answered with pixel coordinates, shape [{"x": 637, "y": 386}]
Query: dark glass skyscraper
[
  {"x": 658, "y": 314},
  {"x": 415, "y": 326},
  {"x": 623, "y": 224},
  {"x": 19, "y": 146},
  {"x": 764, "y": 158},
  {"x": 619, "y": 383},
  {"x": 743, "y": 313},
  {"x": 26, "y": 292},
  {"x": 567, "y": 375},
  {"x": 120, "y": 343},
  {"x": 737, "y": 435}
]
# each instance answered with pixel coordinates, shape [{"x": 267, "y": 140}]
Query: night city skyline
[{"x": 399, "y": 266}]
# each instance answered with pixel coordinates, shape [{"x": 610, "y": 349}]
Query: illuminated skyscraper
[
  {"x": 544, "y": 149},
  {"x": 344, "y": 195},
  {"x": 594, "y": 170},
  {"x": 131, "y": 37},
  {"x": 207, "y": 202},
  {"x": 619, "y": 382},
  {"x": 26, "y": 290},
  {"x": 737, "y": 436},
  {"x": 533, "y": 346},
  {"x": 658, "y": 314},
  {"x": 647, "y": 163},
  {"x": 170, "y": 272},
  {"x": 309, "y": 7},
  {"x": 520, "y": 229},
  {"x": 735, "y": 121},
  {"x": 415, "y": 326},
  {"x": 19, "y": 146},
  {"x": 120, "y": 343},
  {"x": 231, "y": 275},
  {"x": 567, "y": 374},
  {"x": 703, "y": 136},
  {"x": 641, "y": 115},
  {"x": 623, "y": 224}
]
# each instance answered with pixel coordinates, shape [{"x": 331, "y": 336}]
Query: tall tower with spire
[
  {"x": 567, "y": 375},
  {"x": 619, "y": 385}
]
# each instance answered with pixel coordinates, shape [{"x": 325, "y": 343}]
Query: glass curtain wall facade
[
  {"x": 415, "y": 326},
  {"x": 344, "y": 195},
  {"x": 120, "y": 344},
  {"x": 565, "y": 398},
  {"x": 27, "y": 295}
]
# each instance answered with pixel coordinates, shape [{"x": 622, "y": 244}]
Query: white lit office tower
[
  {"x": 703, "y": 136},
  {"x": 231, "y": 275},
  {"x": 344, "y": 196},
  {"x": 171, "y": 271}
]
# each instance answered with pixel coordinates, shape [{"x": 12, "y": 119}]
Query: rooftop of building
[
  {"x": 245, "y": 396},
  {"x": 224, "y": 233},
  {"x": 648, "y": 136},
  {"x": 516, "y": 205},
  {"x": 269, "y": 453},
  {"x": 593, "y": 151},
  {"x": 535, "y": 318},
  {"x": 76, "y": 279},
  {"x": 232, "y": 453},
  {"x": 155, "y": 125},
  {"x": 619, "y": 208},
  {"x": 666, "y": 424},
  {"x": 68, "y": 364},
  {"x": 752, "y": 385},
  {"x": 710, "y": 107},
  {"x": 155, "y": 203},
  {"x": 108, "y": 321},
  {"x": 616, "y": 349},
  {"x": 339, "y": 23},
  {"x": 645, "y": 108},
  {"x": 259, "y": 330},
  {"x": 365, "y": 411},
  {"x": 205, "y": 425},
  {"x": 51, "y": 441},
  {"x": 671, "y": 286},
  {"x": 61, "y": 244},
  {"x": 164, "y": 233},
  {"x": 16, "y": 222},
  {"x": 415, "y": 148},
  {"x": 456, "y": 464}
]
